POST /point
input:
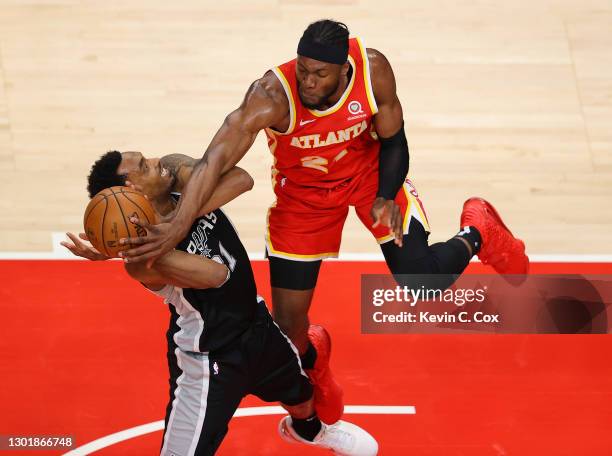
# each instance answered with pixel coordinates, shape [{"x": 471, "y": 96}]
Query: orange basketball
[{"x": 107, "y": 218}]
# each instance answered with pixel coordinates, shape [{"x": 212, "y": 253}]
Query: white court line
[
  {"x": 61, "y": 253},
  {"x": 241, "y": 412},
  {"x": 535, "y": 258}
]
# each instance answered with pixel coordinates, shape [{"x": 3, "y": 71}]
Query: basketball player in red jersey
[{"x": 334, "y": 124}]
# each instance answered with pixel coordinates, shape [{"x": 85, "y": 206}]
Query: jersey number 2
[{"x": 321, "y": 163}]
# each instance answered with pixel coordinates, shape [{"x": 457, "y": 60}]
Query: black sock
[
  {"x": 309, "y": 357},
  {"x": 472, "y": 236},
  {"x": 307, "y": 428}
]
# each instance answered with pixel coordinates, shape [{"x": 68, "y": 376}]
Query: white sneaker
[{"x": 343, "y": 438}]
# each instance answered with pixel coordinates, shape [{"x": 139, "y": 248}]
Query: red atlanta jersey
[{"x": 325, "y": 148}]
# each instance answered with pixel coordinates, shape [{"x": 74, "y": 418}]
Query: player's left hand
[
  {"x": 81, "y": 249},
  {"x": 387, "y": 213}
]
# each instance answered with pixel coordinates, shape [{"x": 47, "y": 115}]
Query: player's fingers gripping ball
[{"x": 107, "y": 218}]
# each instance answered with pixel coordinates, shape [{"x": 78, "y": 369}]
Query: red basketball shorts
[{"x": 305, "y": 223}]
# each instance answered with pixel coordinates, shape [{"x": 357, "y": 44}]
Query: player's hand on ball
[
  {"x": 81, "y": 249},
  {"x": 387, "y": 213},
  {"x": 158, "y": 241}
]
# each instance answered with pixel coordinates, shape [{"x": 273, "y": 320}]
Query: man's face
[
  {"x": 155, "y": 180},
  {"x": 317, "y": 80}
]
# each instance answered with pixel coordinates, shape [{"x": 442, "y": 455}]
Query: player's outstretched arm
[
  {"x": 263, "y": 106},
  {"x": 394, "y": 158},
  {"x": 181, "y": 269}
]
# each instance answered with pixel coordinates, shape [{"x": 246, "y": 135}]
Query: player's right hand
[
  {"x": 387, "y": 213},
  {"x": 81, "y": 249},
  {"x": 159, "y": 240},
  {"x": 156, "y": 243}
]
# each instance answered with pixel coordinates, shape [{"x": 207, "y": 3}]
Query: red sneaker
[
  {"x": 500, "y": 248},
  {"x": 327, "y": 393}
]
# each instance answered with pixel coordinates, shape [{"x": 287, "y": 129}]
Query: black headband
[{"x": 323, "y": 52}]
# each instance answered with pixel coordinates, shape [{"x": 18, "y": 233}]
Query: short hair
[
  {"x": 328, "y": 31},
  {"x": 104, "y": 174}
]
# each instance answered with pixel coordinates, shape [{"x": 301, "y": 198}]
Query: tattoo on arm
[{"x": 175, "y": 161}]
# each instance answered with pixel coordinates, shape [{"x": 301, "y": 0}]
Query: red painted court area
[{"x": 83, "y": 354}]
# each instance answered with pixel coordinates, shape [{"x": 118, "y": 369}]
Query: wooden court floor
[{"x": 507, "y": 100}]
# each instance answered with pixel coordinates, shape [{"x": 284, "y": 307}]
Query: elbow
[
  {"x": 136, "y": 271},
  {"x": 220, "y": 276},
  {"x": 247, "y": 182},
  {"x": 131, "y": 269},
  {"x": 214, "y": 279},
  {"x": 244, "y": 180}
]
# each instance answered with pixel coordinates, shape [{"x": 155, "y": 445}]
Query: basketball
[{"x": 107, "y": 218}]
